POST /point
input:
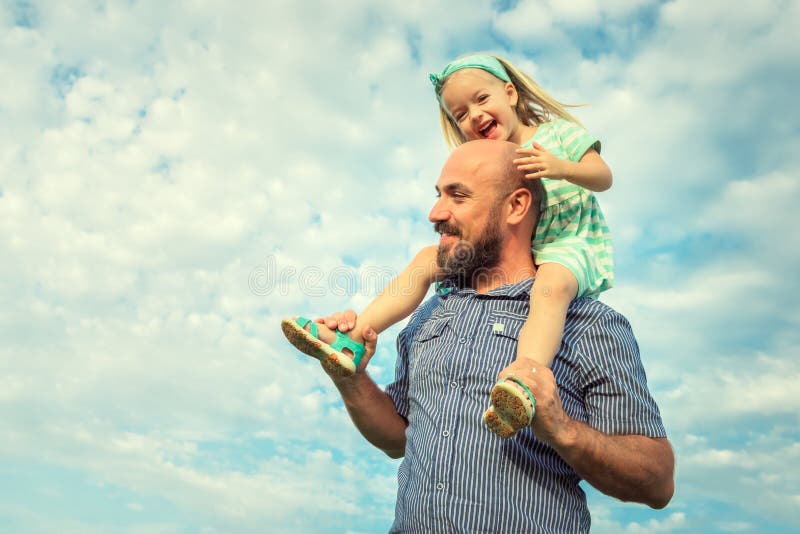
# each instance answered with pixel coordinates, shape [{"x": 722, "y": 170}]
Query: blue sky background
[{"x": 175, "y": 177}]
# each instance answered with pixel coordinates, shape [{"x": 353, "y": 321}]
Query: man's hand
[
  {"x": 551, "y": 424},
  {"x": 630, "y": 467},
  {"x": 345, "y": 321},
  {"x": 371, "y": 409}
]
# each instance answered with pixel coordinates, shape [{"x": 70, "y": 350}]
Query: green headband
[{"x": 477, "y": 61}]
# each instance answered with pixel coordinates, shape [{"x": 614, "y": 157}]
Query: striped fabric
[
  {"x": 457, "y": 476},
  {"x": 572, "y": 230}
]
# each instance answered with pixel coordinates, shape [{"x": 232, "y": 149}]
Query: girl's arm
[
  {"x": 396, "y": 302},
  {"x": 590, "y": 172},
  {"x": 402, "y": 295}
]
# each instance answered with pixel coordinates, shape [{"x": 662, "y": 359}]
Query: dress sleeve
[
  {"x": 613, "y": 378},
  {"x": 575, "y": 140}
]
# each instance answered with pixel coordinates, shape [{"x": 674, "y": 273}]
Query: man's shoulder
[
  {"x": 585, "y": 308},
  {"x": 596, "y": 334},
  {"x": 586, "y": 315}
]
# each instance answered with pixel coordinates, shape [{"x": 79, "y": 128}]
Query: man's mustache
[{"x": 443, "y": 227}]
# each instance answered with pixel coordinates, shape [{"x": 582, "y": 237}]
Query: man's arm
[
  {"x": 628, "y": 467},
  {"x": 374, "y": 414},
  {"x": 371, "y": 409}
]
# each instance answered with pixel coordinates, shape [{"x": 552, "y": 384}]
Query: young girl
[{"x": 485, "y": 97}]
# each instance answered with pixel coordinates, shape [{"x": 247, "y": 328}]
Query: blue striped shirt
[{"x": 458, "y": 476}]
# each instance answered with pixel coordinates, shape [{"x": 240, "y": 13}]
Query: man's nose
[{"x": 438, "y": 212}]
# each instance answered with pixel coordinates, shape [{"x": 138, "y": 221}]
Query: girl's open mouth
[{"x": 487, "y": 130}]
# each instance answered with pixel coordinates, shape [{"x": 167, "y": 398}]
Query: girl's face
[{"x": 482, "y": 105}]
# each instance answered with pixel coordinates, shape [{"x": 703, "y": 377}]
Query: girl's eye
[{"x": 483, "y": 98}]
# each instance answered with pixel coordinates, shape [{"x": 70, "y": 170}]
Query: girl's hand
[
  {"x": 537, "y": 162},
  {"x": 342, "y": 321}
]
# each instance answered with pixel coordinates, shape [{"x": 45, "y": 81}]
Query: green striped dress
[{"x": 572, "y": 230}]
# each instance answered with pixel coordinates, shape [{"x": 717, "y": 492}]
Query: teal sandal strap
[
  {"x": 313, "y": 329},
  {"x": 344, "y": 342},
  {"x": 521, "y": 384}
]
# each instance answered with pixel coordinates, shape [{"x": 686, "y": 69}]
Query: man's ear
[{"x": 519, "y": 204}]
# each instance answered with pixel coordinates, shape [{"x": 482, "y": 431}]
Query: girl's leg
[
  {"x": 394, "y": 303},
  {"x": 401, "y": 297},
  {"x": 553, "y": 290}
]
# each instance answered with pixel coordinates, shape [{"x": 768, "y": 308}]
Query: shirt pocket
[
  {"x": 429, "y": 350},
  {"x": 504, "y": 329}
]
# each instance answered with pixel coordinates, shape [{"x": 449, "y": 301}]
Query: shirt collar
[{"x": 450, "y": 286}]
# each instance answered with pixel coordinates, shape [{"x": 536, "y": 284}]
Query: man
[{"x": 595, "y": 419}]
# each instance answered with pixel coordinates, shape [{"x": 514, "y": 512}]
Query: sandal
[
  {"x": 512, "y": 409},
  {"x": 497, "y": 424},
  {"x": 331, "y": 356}
]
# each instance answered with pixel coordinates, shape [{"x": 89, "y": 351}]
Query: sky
[{"x": 177, "y": 176}]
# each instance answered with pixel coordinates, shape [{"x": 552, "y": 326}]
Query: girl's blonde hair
[{"x": 534, "y": 106}]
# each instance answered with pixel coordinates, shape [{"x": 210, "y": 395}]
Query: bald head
[
  {"x": 492, "y": 162},
  {"x": 487, "y": 159}
]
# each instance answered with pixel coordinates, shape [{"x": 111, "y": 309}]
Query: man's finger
[
  {"x": 370, "y": 338},
  {"x": 370, "y": 343}
]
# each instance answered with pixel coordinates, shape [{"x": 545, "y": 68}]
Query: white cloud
[
  {"x": 157, "y": 156},
  {"x": 276, "y": 489},
  {"x": 752, "y": 210},
  {"x": 758, "y": 472},
  {"x": 529, "y": 20},
  {"x": 675, "y": 521},
  {"x": 603, "y": 521}
]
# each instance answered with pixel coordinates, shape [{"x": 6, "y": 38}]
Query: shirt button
[
  {"x": 440, "y": 486},
  {"x": 454, "y": 384},
  {"x": 463, "y": 340},
  {"x": 446, "y": 433}
]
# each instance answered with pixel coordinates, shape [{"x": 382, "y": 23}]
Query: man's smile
[{"x": 448, "y": 232}]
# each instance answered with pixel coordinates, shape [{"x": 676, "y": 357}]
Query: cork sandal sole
[
  {"x": 306, "y": 342},
  {"x": 497, "y": 424},
  {"x": 512, "y": 408}
]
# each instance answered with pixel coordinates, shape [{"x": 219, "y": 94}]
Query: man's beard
[{"x": 469, "y": 258}]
